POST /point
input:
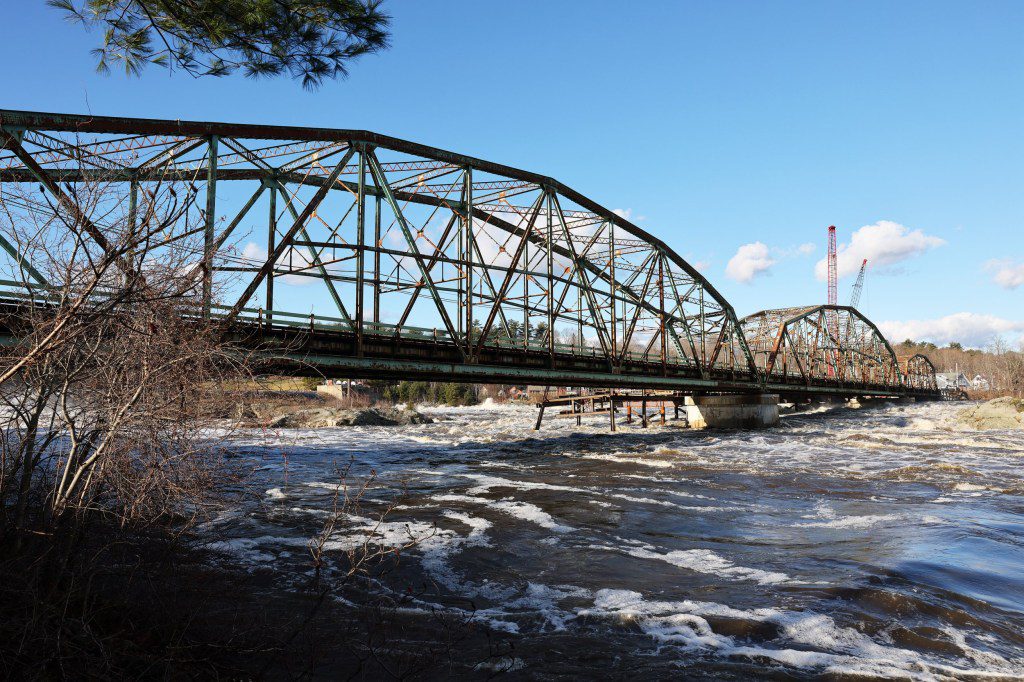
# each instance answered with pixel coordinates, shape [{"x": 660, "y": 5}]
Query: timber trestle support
[{"x": 645, "y": 404}]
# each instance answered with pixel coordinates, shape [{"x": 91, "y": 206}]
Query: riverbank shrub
[{"x": 115, "y": 465}]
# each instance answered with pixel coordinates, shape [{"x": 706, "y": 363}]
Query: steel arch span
[
  {"x": 375, "y": 256},
  {"x": 408, "y": 241},
  {"x": 920, "y": 373},
  {"x": 821, "y": 345}
]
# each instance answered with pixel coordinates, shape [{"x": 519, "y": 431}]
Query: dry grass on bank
[
  {"x": 990, "y": 395},
  {"x": 273, "y": 384}
]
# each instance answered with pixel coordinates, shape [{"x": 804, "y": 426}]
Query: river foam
[{"x": 877, "y": 543}]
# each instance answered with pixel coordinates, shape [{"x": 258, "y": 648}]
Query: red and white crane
[
  {"x": 855, "y": 294},
  {"x": 833, "y": 278}
]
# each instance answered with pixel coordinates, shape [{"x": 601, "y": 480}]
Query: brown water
[{"x": 880, "y": 542}]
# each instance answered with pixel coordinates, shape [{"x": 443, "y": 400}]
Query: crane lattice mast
[
  {"x": 855, "y": 294},
  {"x": 833, "y": 278},
  {"x": 831, "y": 318}
]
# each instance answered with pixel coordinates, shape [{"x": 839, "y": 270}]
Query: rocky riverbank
[{"x": 1001, "y": 413}]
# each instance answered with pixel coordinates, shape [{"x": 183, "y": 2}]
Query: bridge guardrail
[{"x": 313, "y": 322}]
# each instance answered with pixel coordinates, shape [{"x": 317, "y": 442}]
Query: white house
[{"x": 952, "y": 380}]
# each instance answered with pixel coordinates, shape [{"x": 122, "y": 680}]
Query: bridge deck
[{"x": 335, "y": 354}]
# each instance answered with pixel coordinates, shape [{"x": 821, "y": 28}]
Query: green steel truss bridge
[{"x": 355, "y": 254}]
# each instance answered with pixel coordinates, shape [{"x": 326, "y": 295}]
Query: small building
[
  {"x": 539, "y": 393},
  {"x": 952, "y": 381},
  {"x": 980, "y": 383},
  {"x": 343, "y": 389}
]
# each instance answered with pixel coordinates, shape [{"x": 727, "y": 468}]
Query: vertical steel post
[
  {"x": 551, "y": 285},
  {"x": 467, "y": 257},
  {"x": 271, "y": 245},
  {"x": 526, "y": 285},
  {"x": 133, "y": 205},
  {"x": 661, "y": 316},
  {"x": 460, "y": 281},
  {"x": 133, "y": 216},
  {"x": 360, "y": 248},
  {"x": 703, "y": 333},
  {"x": 376, "y": 264},
  {"x": 611, "y": 276},
  {"x": 579, "y": 315},
  {"x": 211, "y": 210},
  {"x": 133, "y": 202}
]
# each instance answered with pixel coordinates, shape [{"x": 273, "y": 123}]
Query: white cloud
[
  {"x": 254, "y": 251},
  {"x": 883, "y": 243},
  {"x": 297, "y": 260},
  {"x": 701, "y": 265},
  {"x": 1008, "y": 275},
  {"x": 627, "y": 214},
  {"x": 780, "y": 252},
  {"x": 750, "y": 260},
  {"x": 969, "y": 329}
]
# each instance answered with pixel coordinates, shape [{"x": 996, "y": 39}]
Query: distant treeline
[
  {"x": 1000, "y": 365},
  {"x": 453, "y": 394}
]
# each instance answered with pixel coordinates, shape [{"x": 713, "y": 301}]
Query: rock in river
[
  {"x": 328, "y": 416},
  {"x": 1001, "y": 413}
]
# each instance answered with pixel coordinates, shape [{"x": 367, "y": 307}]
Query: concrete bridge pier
[{"x": 742, "y": 411}]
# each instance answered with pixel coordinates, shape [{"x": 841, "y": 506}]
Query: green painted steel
[
  {"x": 476, "y": 373},
  {"x": 481, "y": 258}
]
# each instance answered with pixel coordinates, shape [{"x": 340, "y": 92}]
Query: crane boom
[
  {"x": 855, "y": 294},
  {"x": 832, "y": 269}
]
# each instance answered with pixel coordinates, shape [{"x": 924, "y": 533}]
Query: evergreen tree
[
  {"x": 514, "y": 330},
  {"x": 309, "y": 40}
]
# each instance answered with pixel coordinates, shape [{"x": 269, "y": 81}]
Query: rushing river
[{"x": 880, "y": 542}]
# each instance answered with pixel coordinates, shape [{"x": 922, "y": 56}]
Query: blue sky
[{"x": 718, "y": 126}]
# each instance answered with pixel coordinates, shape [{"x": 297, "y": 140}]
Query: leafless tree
[
  {"x": 112, "y": 360},
  {"x": 111, "y": 382}
]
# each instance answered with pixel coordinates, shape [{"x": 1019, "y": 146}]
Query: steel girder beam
[
  {"x": 80, "y": 219},
  {"x": 297, "y": 225},
  {"x": 381, "y": 181},
  {"x": 23, "y": 262}
]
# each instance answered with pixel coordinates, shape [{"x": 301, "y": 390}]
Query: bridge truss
[
  {"x": 821, "y": 345},
  {"x": 410, "y": 242},
  {"x": 428, "y": 263},
  {"x": 920, "y": 373}
]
